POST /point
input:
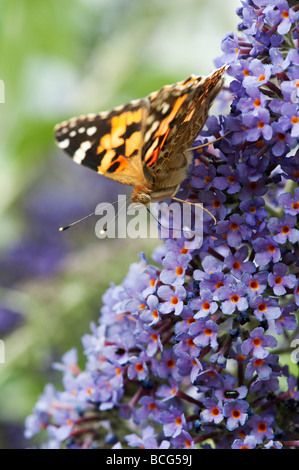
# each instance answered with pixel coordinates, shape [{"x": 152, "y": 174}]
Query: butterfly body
[{"x": 144, "y": 143}]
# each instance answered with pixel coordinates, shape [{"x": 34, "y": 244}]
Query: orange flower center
[
  {"x": 208, "y": 332},
  {"x": 206, "y": 306},
  {"x": 241, "y": 358},
  {"x": 258, "y": 362},
  {"x": 271, "y": 248},
  {"x": 219, "y": 284},
  {"x": 257, "y": 342},
  {"x": 262, "y": 427},
  {"x": 170, "y": 363},
  {"x": 278, "y": 280},
  {"x": 139, "y": 367},
  {"x": 236, "y": 414},
  {"x": 257, "y": 102},
  {"x": 253, "y": 285},
  {"x": 260, "y": 124},
  {"x": 236, "y": 265},
  {"x": 262, "y": 307},
  {"x": 260, "y": 143},
  {"x": 179, "y": 271},
  {"x": 215, "y": 411},
  {"x": 235, "y": 298},
  {"x": 281, "y": 137},
  {"x": 285, "y": 229},
  {"x": 74, "y": 369},
  {"x": 118, "y": 370},
  {"x": 174, "y": 300},
  {"x": 152, "y": 406},
  {"x": 252, "y": 185},
  {"x": 233, "y": 226}
]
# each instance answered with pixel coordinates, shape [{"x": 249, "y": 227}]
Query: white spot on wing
[
  {"x": 79, "y": 155},
  {"x": 165, "y": 107},
  {"x": 151, "y": 130},
  {"x": 85, "y": 145},
  {"x": 91, "y": 130},
  {"x": 63, "y": 144}
]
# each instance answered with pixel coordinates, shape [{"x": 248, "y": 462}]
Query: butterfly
[{"x": 144, "y": 143}]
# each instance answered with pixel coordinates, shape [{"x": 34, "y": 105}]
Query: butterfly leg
[
  {"x": 209, "y": 143},
  {"x": 194, "y": 204}
]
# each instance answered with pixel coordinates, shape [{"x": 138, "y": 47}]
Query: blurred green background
[{"x": 58, "y": 59}]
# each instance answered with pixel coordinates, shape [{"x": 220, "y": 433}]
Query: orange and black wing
[
  {"x": 109, "y": 143},
  {"x": 177, "y": 114}
]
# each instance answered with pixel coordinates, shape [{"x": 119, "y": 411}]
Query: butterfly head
[
  {"x": 144, "y": 194},
  {"x": 141, "y": 198}
]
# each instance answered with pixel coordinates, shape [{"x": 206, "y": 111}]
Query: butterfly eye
[{"x": 143, "y": 198}]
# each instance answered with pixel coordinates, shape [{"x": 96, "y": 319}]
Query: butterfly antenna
[
  {"x": 63, "y": 229},
  {"x": 209, "y": 143}
]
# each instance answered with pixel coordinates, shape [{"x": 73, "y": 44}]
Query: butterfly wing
[
  {"x": 109, "y": 143},
  {"x": 177, "y": 114}
]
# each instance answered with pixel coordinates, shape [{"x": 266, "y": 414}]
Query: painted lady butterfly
[{"x": 144, "y": 143}]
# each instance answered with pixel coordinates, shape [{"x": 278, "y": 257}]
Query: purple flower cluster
[{"x": 189, "y": 351}]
